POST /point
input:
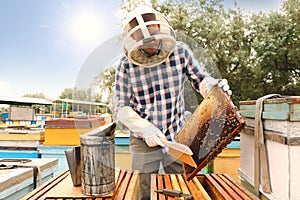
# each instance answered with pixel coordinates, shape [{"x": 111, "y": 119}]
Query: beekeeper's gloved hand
[
  {"x": 141, "y": 127},
  {"x": 208, "y": 83},
  {"x": 153, "y": 136}
]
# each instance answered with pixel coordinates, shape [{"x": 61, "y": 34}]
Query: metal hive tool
[{"x": 213, "y": 125}]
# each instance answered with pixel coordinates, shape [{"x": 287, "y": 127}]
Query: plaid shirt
[{"x": 157, "y": 93}]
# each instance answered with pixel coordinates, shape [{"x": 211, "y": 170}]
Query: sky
[{"x": 49, "y": 45}]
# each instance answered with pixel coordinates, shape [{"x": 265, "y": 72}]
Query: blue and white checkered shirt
[{"x": 157, "y": 93}]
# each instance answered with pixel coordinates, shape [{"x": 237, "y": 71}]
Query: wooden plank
[
  {"x": 238, "y": 186},
  {"x": 280, "y": 115},
  {"x": 203, "y": 192},
  {"x": 132, "y": 190},
  {"x": 226, "y": 187},
  {"x": 295, "y": 112},
  {"x": 234, "y": 187},
  {"x": 285, "y": 99},
  {"x": 276, "y": 107},
  {"x": 278, "y": 126},
  {"x": 46, "y": 187},
  {"x": 248, "y": 114},
  {"x": 183, "y": 186},
  {"x": 160, "y": 185},
  {"x": 287, "y": 108},
  {"x": 194, "y": 190},
  {"x": 123, "y": 188},
  {"x": 22, "y": 136},
  {"x": 168, "y": 184},
  {"x": 175, "y": 184},
  {"x": 120, "y": 179},
  {"x": 181, "y": 155},
  {"x": 69, "y": 191},
  {"x": 275, "y": 110},
  {"x": 159, "y": 182},
  {"x": 154, "y": 186},
  {"x": 269, "y": 135},
  {"x": 216, "y": 188},
  {"x": 121, "y": 175}
]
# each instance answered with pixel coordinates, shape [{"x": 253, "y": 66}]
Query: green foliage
[
  {"x": 107, "y": 78},
  {"x": 35, "y": 95},
  {"x": 277, "y": 46},
  {"x": 76, "y": 94},
  {"x": 81, "y": 95},
  {"x": 37, "y": 107},
  {"x": 105, "y": 82},
  {"x": 67, "y": 93},
  {"x": 257, "y": 53}
]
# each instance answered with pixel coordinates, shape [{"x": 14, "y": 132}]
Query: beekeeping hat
[{"x": 148, "y": 38}]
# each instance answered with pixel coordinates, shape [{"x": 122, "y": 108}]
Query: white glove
[
  {"x": 152, "y": 136},
  {"x": 140, "y": 126},
  {"x": 208, "y": 83}
]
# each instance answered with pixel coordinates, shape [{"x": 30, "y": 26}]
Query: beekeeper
[{"x": 149, "y": 90}]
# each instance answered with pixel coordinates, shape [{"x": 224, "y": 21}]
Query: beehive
[{"x": 281, "y": 126}]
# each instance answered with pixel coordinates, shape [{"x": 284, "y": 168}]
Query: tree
[
  {"x": 76, "y": 94},
  {"x": 38, "y": 108},
  {"x": 105, "y": 84},
  {"x": 219, "y": 33},
  {"x": 276, "y": 51},
  {"x": 67, "y": 93},
  {"x": 35, "y": 95},
  {"x": 257, "y": 53}
]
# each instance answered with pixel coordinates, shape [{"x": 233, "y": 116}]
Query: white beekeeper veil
[{"x": 148, "y": 38}]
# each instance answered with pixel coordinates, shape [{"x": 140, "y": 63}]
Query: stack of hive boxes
[
  {"x": 281, "y": 127},
  {"x": 20, "y": 133},
  {"x": 64, "y": 133}
]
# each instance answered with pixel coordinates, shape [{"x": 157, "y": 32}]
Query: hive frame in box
[{"x": 213, "y": 125}]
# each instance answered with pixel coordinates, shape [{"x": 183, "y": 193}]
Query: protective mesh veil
[{"x": 148, "y": 39}]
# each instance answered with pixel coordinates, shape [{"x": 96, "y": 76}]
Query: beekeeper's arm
[
  {"x": 200, "y": 79},
  {"x": 142, "y": 127},
  {"x": 127, "y": 116}
]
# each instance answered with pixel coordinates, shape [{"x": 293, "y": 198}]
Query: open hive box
[
  {"x": 205, "y": 186},
  {"x": 213, "y": 125}
]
